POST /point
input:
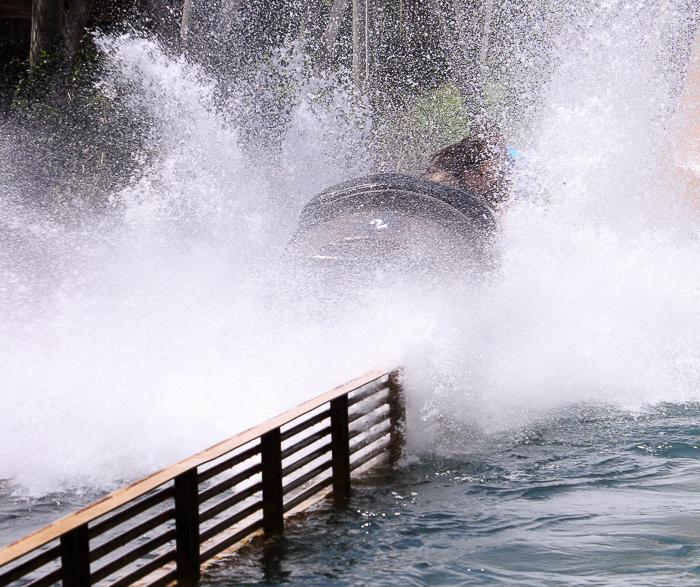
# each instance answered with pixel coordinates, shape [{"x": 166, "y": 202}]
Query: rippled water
[{"x": 592, "y": 496}]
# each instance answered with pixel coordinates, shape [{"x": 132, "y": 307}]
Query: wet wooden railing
[{"x": 161, "y": 529}]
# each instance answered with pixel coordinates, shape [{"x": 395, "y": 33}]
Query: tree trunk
[
  {"x": 356, "y": 41},
  {"x": 461, "y": 36},
  {"x": 47, "y": 27},
  {"x": 488, "y": 12},
  {"x": 74, "y": 28},
  {"x": 50, "y": 33},
  {"x": 336, "y": 16}
]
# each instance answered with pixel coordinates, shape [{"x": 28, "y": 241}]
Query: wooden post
[
  {"x": 340, "y": 447},
  {"x": 397, "y": 417},
  {"x": 187, "y": 527},
  {"x": 75, "y": 557},
  {"x": 272, "y": 491}
]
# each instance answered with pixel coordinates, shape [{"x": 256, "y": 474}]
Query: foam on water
[{"x": 173, "y": 320}]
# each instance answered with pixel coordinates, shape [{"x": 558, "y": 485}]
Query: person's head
[{"x": 475, "y": 164}]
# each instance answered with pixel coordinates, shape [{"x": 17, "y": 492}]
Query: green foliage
[
  {"x": 408, "y": 130},
  {"x": 82, "y": 145},
  {"x": 37, "y": 82},
  {"x": 440, "y": 117},
  {"x": 495, "y": 98}
]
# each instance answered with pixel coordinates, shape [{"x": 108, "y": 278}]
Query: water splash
[
  {"x": 136, "y": 336},
  {"x": 595, "y": 300},
  {"x": 172, "y": 320}
]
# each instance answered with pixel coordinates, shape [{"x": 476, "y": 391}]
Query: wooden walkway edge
[{"x": 254, "y": 479}]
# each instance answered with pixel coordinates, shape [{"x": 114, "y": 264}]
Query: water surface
[{"x": 592, "y": 496}]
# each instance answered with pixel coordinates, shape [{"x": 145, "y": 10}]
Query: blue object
[{"x": 515, "y": 155}]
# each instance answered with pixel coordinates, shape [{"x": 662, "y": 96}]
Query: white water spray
[{"x": 174, "y": 320}]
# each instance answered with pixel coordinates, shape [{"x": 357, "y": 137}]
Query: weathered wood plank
[
  {"x": 340, "y": 447},
  {"x": 272, "y": 492},
  {"x": 187, "y": 528},
  {"x": 75, "y": 557}
]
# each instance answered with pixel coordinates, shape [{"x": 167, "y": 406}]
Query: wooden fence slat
[
  {"x": 131, "y": 534},
  {"x": 370, "y": 405},
  {"x": 384, "y": 422},
  {"x": 340, "y": 447},
  {"x": 222, "y": 486},
  {"x": 367, "y": 457},
  {"x": 305, "y": 425},
  {"x": 309, "y": 493},
  {"x": 29, "y": 566},
  {"x": 130, "y": 512},
  {"x": 164, "y": 580},
  {"x": 187, "y": 528},
  {"x": 47, "y": 580},
  {"x": 273, "y": 496},
  {"x": 307, "y": 441},
  {"x": 229, "y": 502},
  {"x": 229, "y": 463},
  {"x": 367, "y": 421},
  {"x": 230, "y": 521},
  {"x": 231, "y": 540},
  {"x": 308, "y": 476},
  {"x": 143, "y": 549},
  {"x": 367, "y": 392},
  {"x": 145, "y": 570},
  {"x": 75, "y": 557},
  {"x": 370, "y": 438},
  {"x": 321, "y": 451}
]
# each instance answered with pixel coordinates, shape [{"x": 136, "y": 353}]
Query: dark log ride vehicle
[{"x": 396, "y": 220}]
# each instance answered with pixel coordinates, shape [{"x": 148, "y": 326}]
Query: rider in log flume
[
  {"x": 445, "y": 218},
  {"x": 477, "y": 165}
]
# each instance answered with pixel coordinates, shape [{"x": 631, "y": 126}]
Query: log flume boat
[{"x": 395, "y": 220}]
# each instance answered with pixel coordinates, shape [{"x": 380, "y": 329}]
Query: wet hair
[
  {"x": 483, "y": 144},
  {"x": 478, "y": 147}
]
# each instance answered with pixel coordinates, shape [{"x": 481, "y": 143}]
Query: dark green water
[{"x": 589, "y": 497}]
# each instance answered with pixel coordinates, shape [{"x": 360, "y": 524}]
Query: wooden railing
[{"x": 162, "y": 528}]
